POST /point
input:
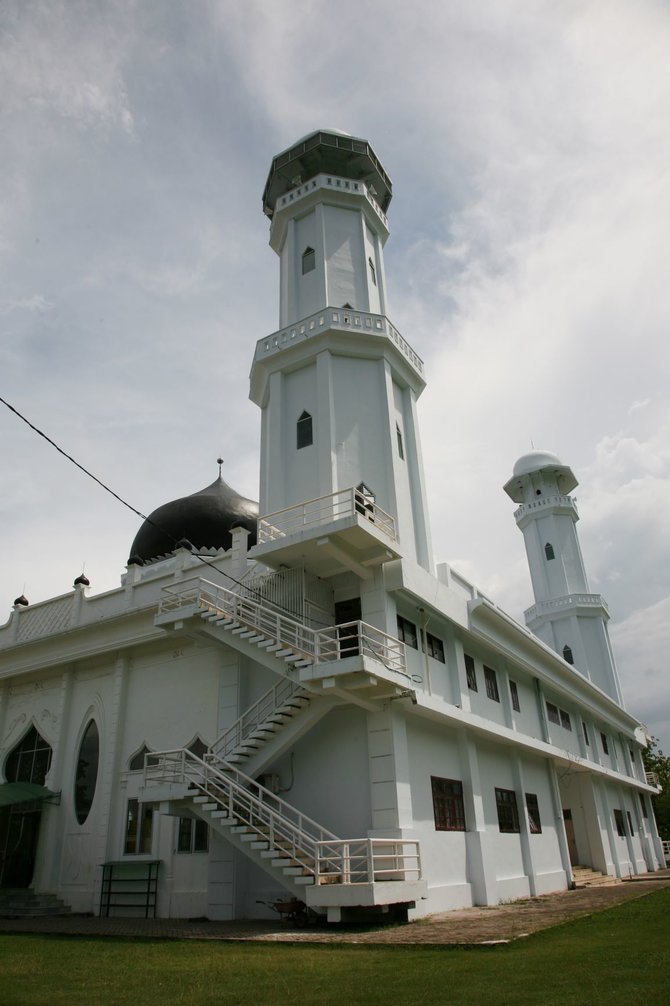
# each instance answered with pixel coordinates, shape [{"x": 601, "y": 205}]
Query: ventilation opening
[{"x": 549, "y": 551}]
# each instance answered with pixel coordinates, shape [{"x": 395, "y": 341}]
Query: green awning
[{"x": 24, "y": 792}]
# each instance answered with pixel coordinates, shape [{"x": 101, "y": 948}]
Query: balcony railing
[
  {"x": 317, "y": 512},
  {"x": 367, "y": 860}
]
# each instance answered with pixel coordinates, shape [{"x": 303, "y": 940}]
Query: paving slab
[{"x": 487, "y": 926}]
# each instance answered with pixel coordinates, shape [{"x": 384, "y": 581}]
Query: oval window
[{"x": 87, "y": 772}]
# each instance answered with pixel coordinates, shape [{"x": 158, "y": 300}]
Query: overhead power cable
[{"x": 139, "y": 513}]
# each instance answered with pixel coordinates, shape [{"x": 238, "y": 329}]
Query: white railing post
[{"x": 370, "y": 863}]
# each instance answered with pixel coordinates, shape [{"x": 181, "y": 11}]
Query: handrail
[
  {"x": 318, "y": 646},
  {"x": 368, "y": 860},
  {"x": 311, "y": 513},
  {"x": 293, "y": 834},
  {"x": 255, "y": 715},
  {"x": 285, "y": 827}
]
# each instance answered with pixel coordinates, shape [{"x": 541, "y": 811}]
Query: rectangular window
[
  {"x": 448, "y": 804},
  {"x": 407, "y": 632},
  {"x": 586, "y": 734},
  {"x": 139, "y": 828},
  {"x": 508, "y": 815},
  {"x": 630, "y": 822},
  {"x": 491, "y": 684},
  {"x": 603, "y": 738},
  {"x": 643, "y": 804},
  {"x": 435, "y": 647},
  {"x": 552, "y": 713},
  {"x": 470, "y": 672},
  {"x": 565, "y": 719},
  {"x": 193, "y": 835},
  {"x": 620, "y": 827},
  {"x": 514, "y": 692},
  {"x": 534, "y": 822}
]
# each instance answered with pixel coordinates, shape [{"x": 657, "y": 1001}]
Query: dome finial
[{"x": 219, "y": 462}]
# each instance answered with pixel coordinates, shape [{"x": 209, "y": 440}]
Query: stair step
[
  {"x": 218, "y": 815},
  {"x": 236, "y": 758},
  {"x": 241, "y": 829},
  {"x": 294, "y": 871},
  {"x": 201, "y": 798},
  {"x": 260, "y": 846},
  {"x": 304, "y": 881},
  {"x": 280, "y": 863},
  {"x": 212, "y": 805}
]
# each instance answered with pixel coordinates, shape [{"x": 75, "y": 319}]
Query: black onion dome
[{"x": 203, "y": 521}]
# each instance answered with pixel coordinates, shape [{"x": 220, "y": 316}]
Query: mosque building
[{"x": 288, "y": 700}]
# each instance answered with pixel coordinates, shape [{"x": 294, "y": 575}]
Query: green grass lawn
[{"x": 615, "y": 957}]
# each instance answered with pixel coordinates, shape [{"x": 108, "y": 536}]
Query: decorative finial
[{"x": 219, "y": 462}]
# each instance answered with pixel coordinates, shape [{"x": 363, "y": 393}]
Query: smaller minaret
[{"x": 565, "y": 615}]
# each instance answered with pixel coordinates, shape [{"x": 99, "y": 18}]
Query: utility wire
[{"x": 148, "y": 520}]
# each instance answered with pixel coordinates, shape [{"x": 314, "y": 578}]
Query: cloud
[{"x": 39, "y": 75}]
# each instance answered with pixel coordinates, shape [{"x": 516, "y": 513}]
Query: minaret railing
[{"x": 322, "y": 510}]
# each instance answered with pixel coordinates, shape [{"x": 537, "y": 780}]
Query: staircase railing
[
  {"x": 368, "y": 860},
  {"x": 284, "y": 827},
  {"x": 318, "y": 646},
  {"x": 294, "y": 835},
  {"x": 255, "y": 716}
]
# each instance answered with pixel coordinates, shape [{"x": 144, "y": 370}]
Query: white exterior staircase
[
  {"x": 330, "y": 873},
  {"x": 289, "y": 642}
]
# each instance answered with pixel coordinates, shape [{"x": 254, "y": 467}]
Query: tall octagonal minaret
[
  {"x": 337, "y": 384},
  {"x": 565, "y": 615}
]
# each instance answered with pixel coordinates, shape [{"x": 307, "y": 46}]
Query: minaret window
[
  {"x": 308, "y": 260},
  {"x": 514, "y": 692},
  {"x": 549, "y": 551},
  {"x": 304, "y": 434},
  {"x": 373, "y": 275},
  {"x": 567, "y": 655},
  {"x": 401, "y": 451}
]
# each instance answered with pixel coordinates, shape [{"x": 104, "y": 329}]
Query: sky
[{"x": 529, "y": 147}]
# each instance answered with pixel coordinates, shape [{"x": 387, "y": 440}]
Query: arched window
[
  {"x": 373, "y": 274},
  {"x": 136, "y": 763},
  {"x": 304, "y": 434},
  {"x": 197, "y": 747},
  {"x": 308, "y": 260},
  {"x": 30, "y": 760},
  {"x": 87, "y": 771},
  {"x": 549, "y": 551},
  {"x": 567, "y": 655},
  {"x": 401, "y": 450}
]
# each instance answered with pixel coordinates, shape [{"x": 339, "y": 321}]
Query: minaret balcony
[
  {"x": 338, "y": 320},
  {"x": 556, "y": 502},
  {"x": 569, "y": 604},
  {"x": 345, "y": 530}
]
